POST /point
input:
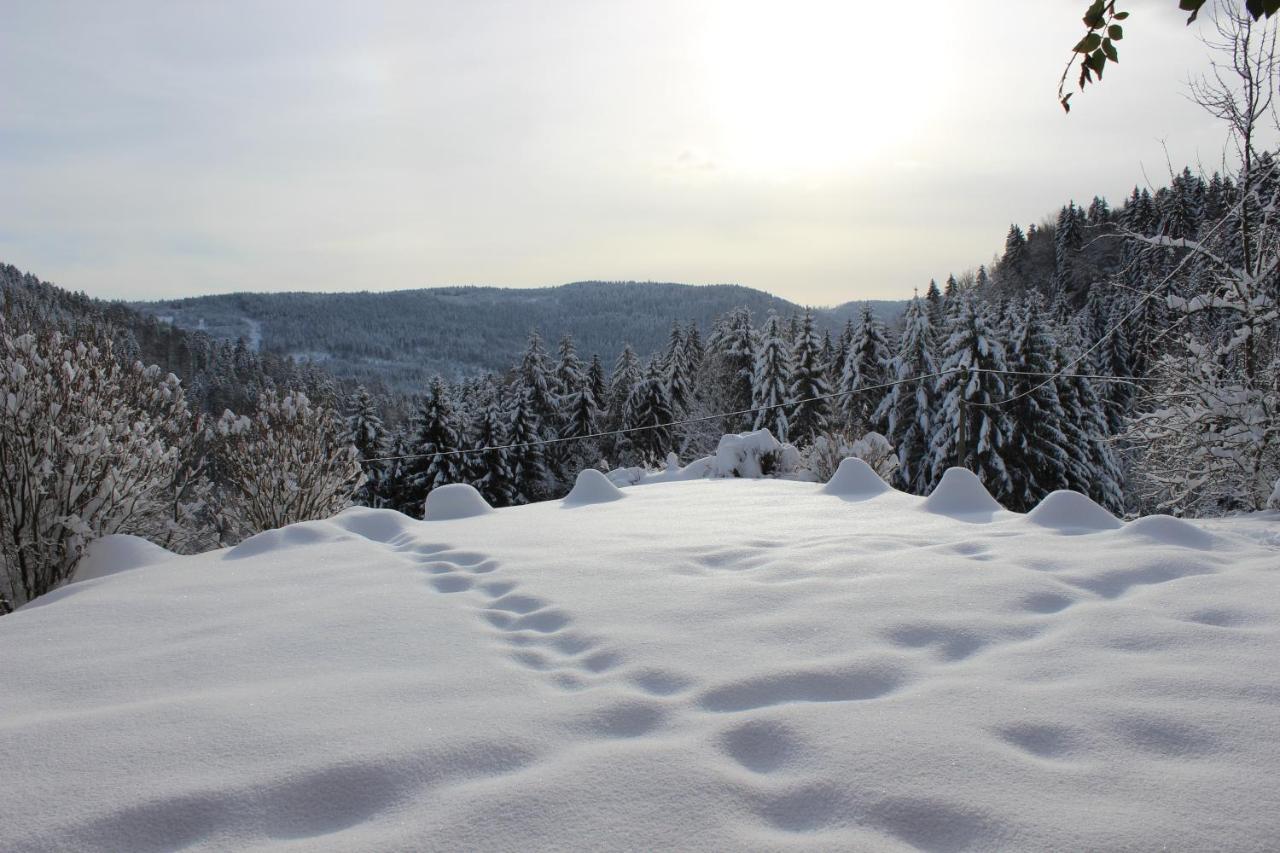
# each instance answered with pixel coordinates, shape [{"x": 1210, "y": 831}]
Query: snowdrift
[{"x": 712, "y": 664}]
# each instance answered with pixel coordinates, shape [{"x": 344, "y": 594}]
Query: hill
[
  {"x": 403, "y": 337},
  {"x": 726, "y": 664}
]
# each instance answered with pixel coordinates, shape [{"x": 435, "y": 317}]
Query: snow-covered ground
[{"x": 724, "y": 664}]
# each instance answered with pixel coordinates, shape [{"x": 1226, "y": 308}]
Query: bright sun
[{"x": 811, "y": 87}]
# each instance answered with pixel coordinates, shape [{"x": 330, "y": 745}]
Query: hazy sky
[{"x": 811, "y": 149}]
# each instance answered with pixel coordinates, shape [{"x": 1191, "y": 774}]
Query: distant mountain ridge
[{"x": 402, "y": 337}]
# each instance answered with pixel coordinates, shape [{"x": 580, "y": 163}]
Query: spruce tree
[
  {"x": 627, "y": 373},
  {"x": 367, "y": 434},
  {"x": 1037, "y": 453},
  {"x": 677, "y": 372},
  {"x": 489, "y": 470},
  {"x": 529, "y": 472},
  {"x": 808, "y": 419},
  {"x": 648, "y": 413},
  {"x": 770, "y": 380},
  {"x": 536, "y": 375},
  {"x": 435, "y": 434},
  {"x": 934, "y": 297},
  {"x": 908, "y": 409},
  {"x": 866, "y": 367},
  {"x": 733, "y": 347},
  {"x": 597, "y": 384},
  {"x": 971, "y": 349}
]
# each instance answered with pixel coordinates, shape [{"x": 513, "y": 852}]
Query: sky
[{"x": 823, "y": 151}]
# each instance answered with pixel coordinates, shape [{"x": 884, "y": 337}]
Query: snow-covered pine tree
[
  {"x": 1012, "y": 271},
  {"x": 489, "y": 470},
  {"x": 933, "y": 296},
  {"x": 770, "y": 380},
  {"x": 570, "y": 371},
  {"x": 732, "y": 349},
  {"x": 844, "y": 345},
  {"x": 537, "y": 376},
  {"x": 582, "y": 419},
  {"x": 627, "y": 373},
  {"x": 435, "y": 440},
  {"x": 1067, "y": 240},
  {"x": 529, "y": 470},
  {"x": 866, "y": 367},
  {"x": 676, "y": 368},
  {"x": 597, "y": 384},
  {"x": 969, "y": 351},
  {"x": 366, "y": 432},
  {"x": 1037, "y": 454},
  {"x": 648, "y": 413},
  {"x": 694, "y": 352},
  {"x": 1093, "y": 463},
  {"x": 807, "y": 419},
  {"x": 289, "y": 461},
  {"x": 908, "y": 409}
]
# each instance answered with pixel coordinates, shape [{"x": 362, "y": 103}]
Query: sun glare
[{"x": 816, "y": 88}]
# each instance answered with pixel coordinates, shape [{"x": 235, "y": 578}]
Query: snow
[
  {"x": 118, "y": 553},
  {"x": 592, "y": 487},
  {"x": 960, "y": 494},
  {"x": 456, "y": 500},
  {"x": 855, "y": 479},
  {"x": 1072, "y": 512},
  {"x": 708, "y": 664},
  {"x": 1167, "y": 530}
]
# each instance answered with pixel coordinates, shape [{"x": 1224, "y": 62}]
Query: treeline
[{"x": 1062, "y": 367}]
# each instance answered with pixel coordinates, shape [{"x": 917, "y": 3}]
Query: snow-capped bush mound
[
  {"x": 303, "y": 533},
  {"x": 855, "y": 479},
  {"x": 118, "y": 553},
  {"x": 456, "y": 500},
  {"x": 961, "y": 493},
  {"x": 753, "y": 455},
  {"x": 592, "y": 487},
  {"x": 1072, "y": 512},
  {"x": 379, "y": 525},
  {"x": 1167, "y": 530}
]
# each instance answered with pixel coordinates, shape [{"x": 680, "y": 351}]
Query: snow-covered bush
[
  {"x": 88, "y": 446},
  {"x": 828, "y": 450},
  {"x": 751, "y": 455},
  {"x": 289, "y": 462}
]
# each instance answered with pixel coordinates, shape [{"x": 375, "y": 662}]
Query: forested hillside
[{"x": 404, "y": 337}]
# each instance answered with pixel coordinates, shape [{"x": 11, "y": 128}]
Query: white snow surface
[
  {"x": 456, "y": 500},
  {"x": 592, "y": 487},
  {"x": 720, "y": 664},
  {"x": 118, "y": 553}
]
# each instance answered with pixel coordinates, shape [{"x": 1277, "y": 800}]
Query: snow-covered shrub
[
  {"x": 828, "y": 450},
  {"x": 88, "y": 446},
  {"x": 1274, "y": 502},
  {"x": 288, "y": 462}
]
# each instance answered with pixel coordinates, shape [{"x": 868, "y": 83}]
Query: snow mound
[
  {"x": 118, "y": 553},
  {"x": 1167, "y": 530},
  {"x": 456, "y": 500},
  {"x": 961, "y": 493},
  {"x": 1072, "y": 512},
  {"x": 304, "y": 533},
  {"x": 376, "y": 525},
  {"x": 855, "y": 479},
  {"x": 592, "y": 487}
]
